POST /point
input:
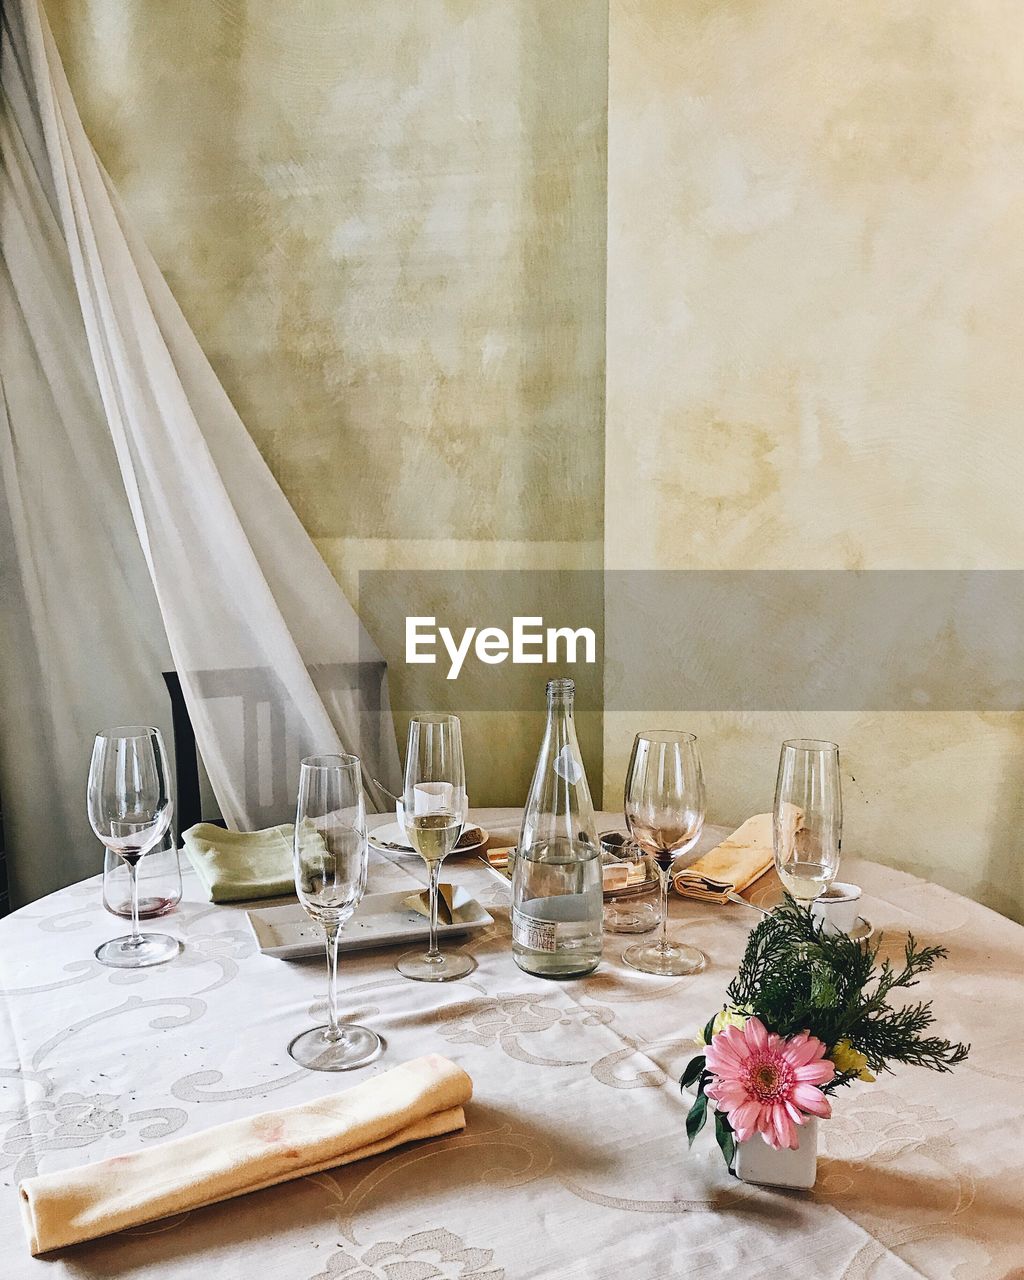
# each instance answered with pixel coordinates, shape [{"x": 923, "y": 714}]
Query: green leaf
[
  {"x": 823, "y": 988},
  {"x": 697, "y": 1115},
  {"x": 798, "y": 978},
  {"x": 709, "y": 1029},
  {"x": 724, "y": 1138},
  {"x": 693, "y": 1069}
]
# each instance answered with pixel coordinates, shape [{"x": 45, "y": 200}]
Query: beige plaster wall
[
  {"x": 385, "y": 221},
  {"x": 815, "y": 266}
]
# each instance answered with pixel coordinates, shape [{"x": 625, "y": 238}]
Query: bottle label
[
  {"x": 567, "y": 766},
  {"x": 534, "y": 934}
]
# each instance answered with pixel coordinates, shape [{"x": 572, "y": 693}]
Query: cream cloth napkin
[
  {"x": 447, "y": 911},
  {"x": 235, "y": 866},
  {"x": 419, "y": 1099},
  {"x": 732, "y": 865}
]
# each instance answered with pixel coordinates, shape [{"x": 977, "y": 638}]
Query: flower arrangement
[{"x": 808, "y": 1012}]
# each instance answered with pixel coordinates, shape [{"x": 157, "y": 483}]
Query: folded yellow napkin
[
  {"x": 234, "y": 866},
  {"x": 447, "y": 911},
  {"x": 419, "y": 1099},
  {"x": 731, "y": 866}
]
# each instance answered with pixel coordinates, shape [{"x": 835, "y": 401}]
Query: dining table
[{"x": 574, "y": 1160}]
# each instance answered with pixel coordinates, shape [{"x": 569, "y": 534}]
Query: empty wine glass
[
  {"x": 664, "y": 805},
  {"x": 434, "y": 807},
  {"x": 808, "y": 817},
  {"x": 130, "y": 810},
  {"x": 330, "y": 858}
]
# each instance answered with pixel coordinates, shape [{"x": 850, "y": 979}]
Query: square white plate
[
  {"x": 499, "y": 873},
  {"x": 380, "y": 920}
]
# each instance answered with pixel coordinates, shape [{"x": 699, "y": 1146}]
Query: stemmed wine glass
[
  {"x": 130, "y": 810},
  {"x": 664, "y": 805},
  {"x": 808, "y": 817},
  {"x": 434, "y": 801},
  {"x": 330, "y": 858}
]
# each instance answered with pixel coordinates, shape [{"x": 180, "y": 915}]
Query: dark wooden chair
[{"x": 189, "y": 808}]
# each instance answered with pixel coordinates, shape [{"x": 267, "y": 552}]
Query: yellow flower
[
  {"x": 847, "y": 1059},
  {"x": 728, "y": 1017}
]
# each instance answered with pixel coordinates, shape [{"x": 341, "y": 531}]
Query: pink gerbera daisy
[{"x": 768, "y": 1085}]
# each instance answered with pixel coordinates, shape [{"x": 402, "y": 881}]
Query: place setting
[{"x": 810, "y": 1006}]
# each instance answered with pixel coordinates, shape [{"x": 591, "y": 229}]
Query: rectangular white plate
[
  {"x": 497, "y": 872},
  {"x": 380, "y": 920}
]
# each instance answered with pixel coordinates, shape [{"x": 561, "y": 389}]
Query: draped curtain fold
[{"x": 140, "y": 522}]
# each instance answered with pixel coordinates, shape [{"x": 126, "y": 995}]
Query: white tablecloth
[{"x": 573, "y": 1162}]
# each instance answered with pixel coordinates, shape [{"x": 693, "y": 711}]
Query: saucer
[{"x": 392, "y": 839}]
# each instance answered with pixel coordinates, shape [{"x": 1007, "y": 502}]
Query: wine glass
[
  {"x": 130, "y": 810},
  {"x": 330, "y": 858},
  {"x": 808, "y": 817},
  {"x": 664, "y": 805},
  {"x": 434, "y": 801}
]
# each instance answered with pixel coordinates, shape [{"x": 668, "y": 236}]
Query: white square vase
[{"x": 757, "y": 1162}]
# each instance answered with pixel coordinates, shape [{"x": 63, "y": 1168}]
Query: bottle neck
[{"x": 561, "y": 698}]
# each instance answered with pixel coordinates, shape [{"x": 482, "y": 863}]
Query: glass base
[
  {"x": 152, "y": 948},
  {"x": 444, "y": 967},
  {"x": 355, "y": 1047},
  {"x": 676, "y": 961}
]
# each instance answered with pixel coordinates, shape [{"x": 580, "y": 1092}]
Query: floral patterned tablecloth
[{"x": 573, "y": 1162}]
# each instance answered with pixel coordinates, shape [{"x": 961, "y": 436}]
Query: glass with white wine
[
  {"x": 808, "y": 817},
  {"x": 434, "y": 810}
]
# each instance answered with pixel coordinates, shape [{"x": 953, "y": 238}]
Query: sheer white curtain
[{"x": 141, "y": 524}]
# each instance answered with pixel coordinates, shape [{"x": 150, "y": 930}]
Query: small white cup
[{"x": 838, "y": 908}]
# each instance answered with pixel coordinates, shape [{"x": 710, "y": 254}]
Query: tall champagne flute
[
  {"x": 665, "y": 806},
  {"x": 434, "y": 800},
  {"x": 808, "y": 817},
  {"x": 130, "y": 810},
  {"x": 330, "y": 860}
]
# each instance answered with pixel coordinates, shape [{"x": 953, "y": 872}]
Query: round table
[{"x": 573, "y": 1162}]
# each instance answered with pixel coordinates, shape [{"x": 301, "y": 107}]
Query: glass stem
[
  {"x": 663, "y": 944},
  {"x": 435, "y": 875},
  {"x": 133, "y": 881},
  {"x": 331, "y": 935}
]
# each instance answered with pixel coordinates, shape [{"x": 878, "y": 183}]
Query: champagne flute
[
  {"x": 808, "y": 817},
  {"x": 434, "y": 806},
  {"x": 664, "y": 804},
  {"x": 330, "y": 859},
  {"x": 130, "y": 810}
]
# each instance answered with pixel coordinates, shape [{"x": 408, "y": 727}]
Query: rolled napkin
[
  {"x": 731, "y": 866},
  {"x": 419, "y": 1099},
  {"x": 235, "y": 866}
]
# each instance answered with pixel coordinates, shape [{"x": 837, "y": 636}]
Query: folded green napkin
[{"x": 236, "y": 865}]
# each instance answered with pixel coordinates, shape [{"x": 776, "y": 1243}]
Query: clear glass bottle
[{"x": 556, "y": 877}]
